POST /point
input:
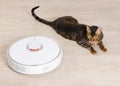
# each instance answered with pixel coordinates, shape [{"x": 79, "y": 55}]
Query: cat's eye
[{"x": 96, "y": 35}]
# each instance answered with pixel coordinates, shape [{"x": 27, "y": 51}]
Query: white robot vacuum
[{"x": 34, "y": 55}]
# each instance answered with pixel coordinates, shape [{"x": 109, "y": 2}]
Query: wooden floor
[{"x": 79, "y": 67}]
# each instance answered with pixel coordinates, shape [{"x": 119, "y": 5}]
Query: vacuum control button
[{"x": 34, "y": 46}]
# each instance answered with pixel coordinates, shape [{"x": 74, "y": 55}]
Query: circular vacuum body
[{"x": 34, "y": 55}]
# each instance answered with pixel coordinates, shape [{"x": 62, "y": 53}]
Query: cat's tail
[{"x": 38, "y": 18}]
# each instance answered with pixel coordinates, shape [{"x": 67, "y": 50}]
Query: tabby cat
[{"x": 69, "y": 28}]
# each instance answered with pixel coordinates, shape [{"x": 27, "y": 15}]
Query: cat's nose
[{"x": 92, "y": 40}]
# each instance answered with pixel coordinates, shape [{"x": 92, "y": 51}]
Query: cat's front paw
[
  {"x": 104, "y": 50},
  {"x": 93, "y": 51}
]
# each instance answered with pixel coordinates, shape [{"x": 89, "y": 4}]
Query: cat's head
[{"x": 94, "y": 34}]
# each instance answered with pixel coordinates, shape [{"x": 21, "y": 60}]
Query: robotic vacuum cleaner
[{"x": 34, "y": 55}]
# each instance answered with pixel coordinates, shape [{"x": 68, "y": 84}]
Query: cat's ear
[
  {"x": 99, "y": 30},
  {"x": 88, "y": 29}
]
